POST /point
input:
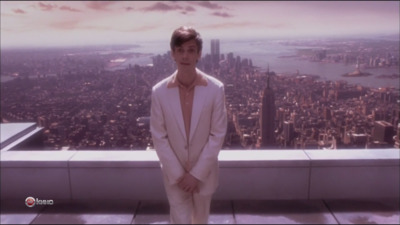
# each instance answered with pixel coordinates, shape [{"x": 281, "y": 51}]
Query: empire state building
[{"x": 267, "y": 119}]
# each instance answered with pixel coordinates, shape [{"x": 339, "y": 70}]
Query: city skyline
[
  {"x": 58, "y": 23},
  {"x": 84, "y": 104}
]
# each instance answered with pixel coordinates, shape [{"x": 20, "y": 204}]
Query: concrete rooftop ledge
[
  {"x": 21, "y": 159},
  {"x": 117, "y": 159},
  {"x": 244, "y": 175},
  {"x": 381, "y": 157},
  {"x": 13, "y": 134},
  {"x": 227, "y": 158},
  {"x": 263, "y": 158}
]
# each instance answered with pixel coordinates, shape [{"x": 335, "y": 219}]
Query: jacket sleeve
[
  {"x": 209, "y": 156},
  {"x": 170, "y": 164}
]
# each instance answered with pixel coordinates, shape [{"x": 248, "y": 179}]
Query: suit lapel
[
  {"x": 175, "y": 105},
  {"x": 198, "y": 102}
]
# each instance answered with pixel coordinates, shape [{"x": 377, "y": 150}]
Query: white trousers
[{"x": 187, "y": 208}]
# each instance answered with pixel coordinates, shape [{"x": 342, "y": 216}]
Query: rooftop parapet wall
[{"x": 244, "y": 174}]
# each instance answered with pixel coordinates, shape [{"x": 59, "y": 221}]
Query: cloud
[
  {"x": 65, "y": 25},
  {"x": 77, "y": 25},
  {"x": 231, "y": 25},
  {"x": 46, "y": 6},
  {"x": 277, "y": 26},
  {"x": 142, "y": 28},
  {"x": 91, "y": 27},
  {"x": 110, "y": 28},
  {"x": 221, "y": 14},
  {"x": 19, "y": 11},
  {"x": 240, "y": 25},
  {"x": 99, "y": 5},
  {"x": 160, "y": 6},
  {"x": 129, "y": 8},
  {"x": 209, "y": 5},
  {"x": 67, "y": 8},
  {"x": 188, "y": 9}
]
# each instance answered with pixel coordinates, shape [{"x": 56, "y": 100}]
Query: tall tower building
[
  {"x": 288, "y": 132},
  {"x": 267, "y": 119},
  {"x": 383, "y": 132},
  {"x": 215, "y": 55}
]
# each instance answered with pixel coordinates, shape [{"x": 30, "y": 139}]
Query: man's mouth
[{"x": 185, "y": 64}]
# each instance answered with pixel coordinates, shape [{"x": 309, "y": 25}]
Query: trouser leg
[
  {"x": 181, "y": 209},
  {"x": 187, "y": 208},
  {"x": 180, "y": 205},
  {"x": 201, "y": 209}
]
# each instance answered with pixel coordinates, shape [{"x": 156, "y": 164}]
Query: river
[{"x": 263, "y": 53}]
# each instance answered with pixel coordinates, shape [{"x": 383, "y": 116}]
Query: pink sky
[{"x": 43, "y": 23}]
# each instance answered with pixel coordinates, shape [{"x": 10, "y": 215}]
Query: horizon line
[{"x": 386, "y": 36}]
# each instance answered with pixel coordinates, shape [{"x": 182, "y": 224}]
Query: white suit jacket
[{"x": 207, "y": 132}]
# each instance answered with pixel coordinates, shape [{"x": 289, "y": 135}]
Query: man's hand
[{"x": 188, "y": 183}]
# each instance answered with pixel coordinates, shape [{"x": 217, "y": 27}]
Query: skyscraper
[
  {"x": 383, "y": 132},
  {"x": 215, "y": 55},
  {"x": 288, "y": 132},
  {"x": 267, "y": 119}
]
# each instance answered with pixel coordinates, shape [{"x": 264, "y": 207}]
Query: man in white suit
[{"x": 188, "y": 125}]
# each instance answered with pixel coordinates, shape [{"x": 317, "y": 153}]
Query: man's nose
[{"x": 185, "y": 54}]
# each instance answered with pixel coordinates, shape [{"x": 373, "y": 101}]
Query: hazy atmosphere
[{"x": 55, "y": 23}]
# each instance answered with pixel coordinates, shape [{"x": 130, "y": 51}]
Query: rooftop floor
[{"x": 383, "y": 211}]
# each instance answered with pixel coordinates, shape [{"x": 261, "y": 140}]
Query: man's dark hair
[{"x": 184, "y": 34}]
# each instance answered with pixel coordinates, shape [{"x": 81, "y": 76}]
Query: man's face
[{"x": 186, "y": 55}]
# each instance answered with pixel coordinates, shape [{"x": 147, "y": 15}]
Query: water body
[
  {"x": 264, "y": 53},
  {"x": 270, "y": 52},
  {"x": 273, "y": 53}
]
